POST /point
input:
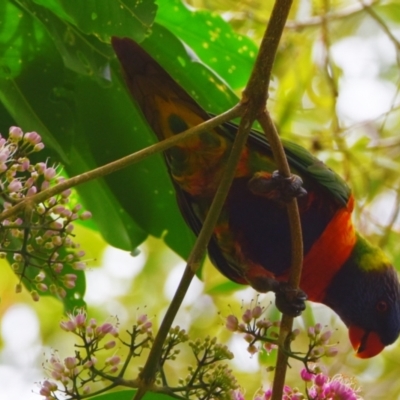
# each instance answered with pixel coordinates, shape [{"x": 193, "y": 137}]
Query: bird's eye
[{"x": 381, "y": 306}]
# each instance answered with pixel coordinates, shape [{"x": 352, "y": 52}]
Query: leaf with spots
[{"x": 214, "y": 41}]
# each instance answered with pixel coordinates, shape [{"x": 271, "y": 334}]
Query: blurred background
[{"x": 335, "y": 90}]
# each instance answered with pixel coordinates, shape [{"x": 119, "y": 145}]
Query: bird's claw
[
  {"x": 288, "y": 300},
  {"x": 277, "y": 187}
]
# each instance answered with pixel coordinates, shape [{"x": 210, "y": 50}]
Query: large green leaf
[
  {"x": 103, "y": 18},
  {"x": 80, "y": 52},
  {"x": 59, "y": 81},
  {"x": 213, "y": 40}
]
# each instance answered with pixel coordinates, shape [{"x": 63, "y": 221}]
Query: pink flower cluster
[
  {"x": 336, "y": 388},
  {"x": 75, "y": 373},
  {"x": 254, "y": 329},
  {"x": 39, "y": 242},
  {"x": 323, "y": 388},
  {"x": 79, "y": 324}
]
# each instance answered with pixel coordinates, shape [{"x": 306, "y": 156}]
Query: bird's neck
[
  {"x": 328, "y": 254},
  {"x": 368, "y": 257}
]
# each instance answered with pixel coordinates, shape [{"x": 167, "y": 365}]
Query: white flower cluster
[{"x": 37, "y": 241}]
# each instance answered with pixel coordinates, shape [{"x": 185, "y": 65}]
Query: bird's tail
[{"x": 165, "y": 105}]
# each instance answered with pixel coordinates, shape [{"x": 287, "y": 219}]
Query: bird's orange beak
[{"x": 366, "y": 344}]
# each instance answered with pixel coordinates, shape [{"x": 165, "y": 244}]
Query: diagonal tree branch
[{"x": 121, "y": 163}]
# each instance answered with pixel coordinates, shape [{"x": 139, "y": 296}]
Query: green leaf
[
  {"x": 200, "y": 81},
  {"x": 81, "y": 53},
  {"x": 87, "y": 118},
  {"x": 106, "y": 18},
  {"x": 228, "y": 53}
]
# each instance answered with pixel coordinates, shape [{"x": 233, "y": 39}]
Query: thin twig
[
  {"x": 340, "y": 15},
  {"x": 269, "y": 46},
  {"x": 297, "y": 261},
  {"x": 121, "y": 163},
  {"x": 331, "y": 79}
]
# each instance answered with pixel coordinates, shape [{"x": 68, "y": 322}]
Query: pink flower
[
  {"x": 79, "y": 265},
  {"x": 237, "y": 395},
  {"x": 80, "y": 318},
  {"x": 321, "y": 380},
  {"x": 49, "y": 173},
  {"x": 247, "y": 317},
  {"x": 38, "y": 147},
  {"x": 306, "y": 376},
  {"x": 15, "y": 133},
  {"x": 14, "y": 186},
  {"x": 32, "y": 137},
  {"x": 110, "y": 344},
  {"x": 102, "y": 330},
  {"x": 114, "y": 360},
  {"x": 70, "y": 362},
  {"x": 85, "y": 215},
  {"x": 47, "y": 388},
  {"x": 232, "y": 323},
  {"x": 69, "y": 325},
  {"x": 324, "y": 338},
  {"x": 256, "y": 312}
]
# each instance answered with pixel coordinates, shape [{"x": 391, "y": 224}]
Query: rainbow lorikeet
[{"x": 251, "y": 242}]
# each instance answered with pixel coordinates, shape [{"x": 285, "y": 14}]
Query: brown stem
[
  {"x": 262, "y": 72},
  {"x": 339, "y": 15}
]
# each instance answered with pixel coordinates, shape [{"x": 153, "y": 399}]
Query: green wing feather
[{"x": 305, "y": 164}]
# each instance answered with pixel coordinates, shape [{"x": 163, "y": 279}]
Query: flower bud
[
  {"x": 324, "y": 338},
  {"x": 110, "y": 344},
  {"x": 248, "y": 338},
  {"x": 70, "y": 362},
  {"x": 318, "y": 328},
  {"x": 68, "y": 326},
  {"x": 32, "y": 137},
  {"x": 42, "y": 287},
  {"x": 31, "y": 191},
  {"x": 114, "y": 360},
  {"x": 15, "y": 134},
  {"x": 256, "y": 312},
  {"x": 49, "y": 173},
  {"x": 306, "y": 375},
  {"x": 320, "y": 380},
  {"x": 79, "y": 265},
  {"x": 35, "y": 295},
  {"x": 85, "y": 215},
  {"x": 331, "y": 352},
  {"x": 14, "y": 186},
  {"x": 232, "y": 323},
  {"x": 247, "y": 317},
  {"x": 38, "y": 147},
  {"x": 252, "y": 349}
]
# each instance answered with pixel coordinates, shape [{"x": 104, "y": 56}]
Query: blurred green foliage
[{"x": 58, "y": 76}]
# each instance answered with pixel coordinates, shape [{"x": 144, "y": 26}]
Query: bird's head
[
  {"x": 378, "y": 323},
  {"x": 365, "y": 293}
]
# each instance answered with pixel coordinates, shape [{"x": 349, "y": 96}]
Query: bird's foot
[
  {"x": 289, "y": 300},
  {"x": 277, "y": 187}
]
